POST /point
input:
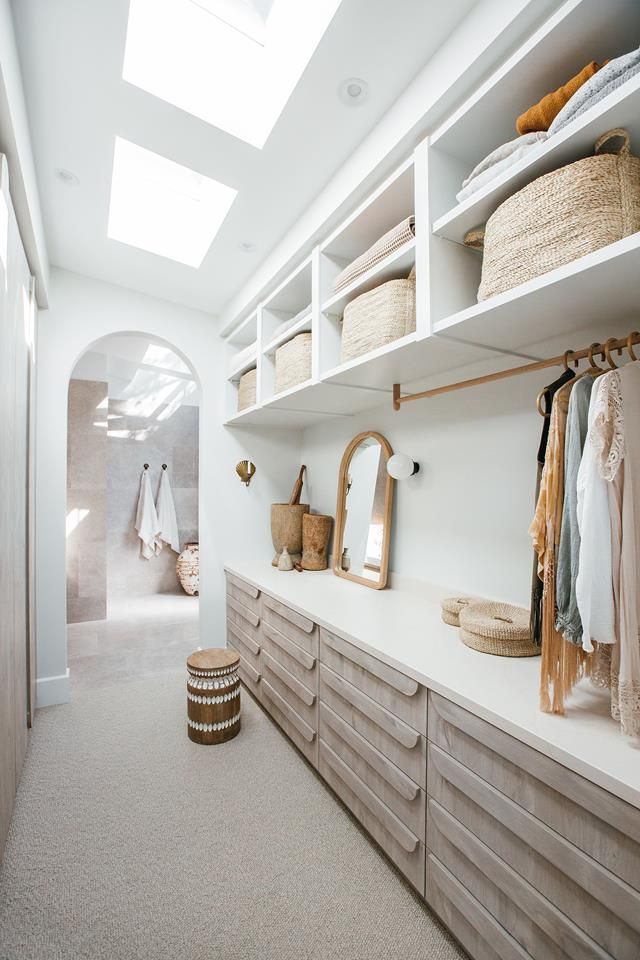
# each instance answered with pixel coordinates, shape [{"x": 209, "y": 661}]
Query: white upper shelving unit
[{"x": 452, "y": 328}]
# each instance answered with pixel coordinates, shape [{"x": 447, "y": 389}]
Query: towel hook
[
  {"x": 164, "y": 466},
  {"x": 146, "y": 466}
]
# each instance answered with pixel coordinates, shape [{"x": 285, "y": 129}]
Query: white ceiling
[{"x": 72, "y": 53}]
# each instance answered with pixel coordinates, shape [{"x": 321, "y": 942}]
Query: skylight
[
  {"x": 163, "y": 207},
  {"x": 232, "y": 63}
]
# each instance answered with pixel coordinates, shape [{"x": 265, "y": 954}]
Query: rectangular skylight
[
  {"x": 163, "y": 207},
  {"x": 232, "y": 63}
]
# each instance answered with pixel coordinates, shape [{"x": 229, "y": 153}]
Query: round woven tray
[
  {"x": 451, "y": 607},
  {"x": 497, "y": 628}
]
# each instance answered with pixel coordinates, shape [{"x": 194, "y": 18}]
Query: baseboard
[{"x": 52, "y": 690}]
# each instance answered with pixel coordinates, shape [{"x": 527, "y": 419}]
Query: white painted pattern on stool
[
  {"x": 213, "y": 727},
  {"x": 196, "y": 698}
]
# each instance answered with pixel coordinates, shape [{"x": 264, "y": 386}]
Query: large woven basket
[
  {"x": 247, "y": 390},
  {"x": 293, "y": 362},
  {"x": 561, "y": 216},
  {"x": 497, "y": 628},
  {"x": 378, "y": 317}
]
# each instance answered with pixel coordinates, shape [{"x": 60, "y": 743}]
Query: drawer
[
  {"x": 248, "y": 621},
  {"x": 250, "y": 677},
  {"x": 595, "y": 900},
  {"x": 533, "y": 920},
  {"x": 291, "y": 624},
  {"x": 297, "y": 729},
  {"x": 296, "y": 694},
  {"x": 398, "y": 742},
  {"x": 479, "y": 933},
  {"x": 236, "y": 635},
  {"x": 388, "y": 782},
  {"x": 577, "y": 809},
  {"x": 244, "y": 593},
  {"x": 297, "y": 661},
  {"x": 402, "y": 695},
  {"x": 402, "y": 847}
]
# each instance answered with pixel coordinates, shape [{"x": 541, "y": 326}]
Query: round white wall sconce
[{"x": 401, "y": 467}]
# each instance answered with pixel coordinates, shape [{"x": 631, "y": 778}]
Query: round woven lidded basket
[
  {"x": 451, "y": 607},
  {"x": 293, "y": 362},
  {"x": 561, "y": 216},
  {"x": 213, "y": 695},
  {"x": 247, "y": 389},
  {"x": 498, "y": 628},
  {"x": 378, "y": 317}
]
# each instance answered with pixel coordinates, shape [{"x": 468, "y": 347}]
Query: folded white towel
[
  {"x": 146, "y": 518},
  {"x": 613, "y": 75},
  {"x": 498, "y": 160},
  {"x": 168, "y": 525}
]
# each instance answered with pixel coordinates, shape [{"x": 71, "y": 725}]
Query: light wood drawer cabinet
[
  {"x": 303, "y": 735},
  {"x": 291, "y": 624},
  {"x": 604, "y": 827},
  {"x": 393, "y": 787},
  {"x": 245, "y": 593},
  {"x": 401, "y": 744},
  {"x": 402, "y": 695},
  {"x": 402, "y": 847}
]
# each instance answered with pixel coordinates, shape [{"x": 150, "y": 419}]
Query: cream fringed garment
[{"x": 562, "y": 663}]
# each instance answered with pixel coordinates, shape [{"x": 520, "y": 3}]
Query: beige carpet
[{"x": 131, "y": 843}]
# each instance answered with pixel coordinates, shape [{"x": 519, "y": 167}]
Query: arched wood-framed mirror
[{"x": 363, "y": 511}]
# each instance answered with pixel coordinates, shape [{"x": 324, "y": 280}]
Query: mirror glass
[{"x": 363, "y": 512}]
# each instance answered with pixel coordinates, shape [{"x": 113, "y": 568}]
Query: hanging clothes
[
  {"x": 568, "y": 621},
  {"x": 536, "y": 583},
  {"x": 147, "y": 524},
  {"x": 167, "y": 523},
  {"x": 562, "y": 664}
]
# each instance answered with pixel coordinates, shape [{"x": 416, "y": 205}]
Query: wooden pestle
[{"x": 297, "y": 487}]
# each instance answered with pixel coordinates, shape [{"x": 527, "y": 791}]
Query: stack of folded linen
[{"x": 392, "y": 240}]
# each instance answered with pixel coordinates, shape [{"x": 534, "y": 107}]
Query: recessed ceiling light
[
  {"x": 247, "y": 246},
  {"x": 353, "y": 91},
  {"x": 232, "y": 63},
  {"x": 67, "y": 177},
  {"x": 163, "y": 207}
]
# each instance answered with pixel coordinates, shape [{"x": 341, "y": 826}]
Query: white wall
[{"x": 81, "y": 311}]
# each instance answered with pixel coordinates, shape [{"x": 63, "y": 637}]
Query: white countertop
[{"x": 403, "y": 627}]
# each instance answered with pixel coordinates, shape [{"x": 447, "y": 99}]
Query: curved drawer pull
[
  {"x": 407, "y": 840},
  {"x": 243, "y": 638},
  {"x": 377, "y": 714},
  {"x": 245, "y": 667},
  {"x": 247, "y": 588},
  {"x": 243, "y": 611},
  {"x": 304, "y": 659},
  {"x": 287, "y": 711},
  {"x": 400, "y": 782},
  {"x": 307, "y": 626},
  {"x": 299, "y": 689},
  {"x": 381, "y": 670}
]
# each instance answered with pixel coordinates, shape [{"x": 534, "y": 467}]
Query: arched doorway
[{"x": 132, "y": 425}]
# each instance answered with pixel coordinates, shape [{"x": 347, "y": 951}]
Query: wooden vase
[
  {"x": 286, "y": 529},
  {"x": 316, "y": 532}
]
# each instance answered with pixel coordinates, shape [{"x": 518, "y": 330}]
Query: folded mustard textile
[{"x": 542, "y": 114}]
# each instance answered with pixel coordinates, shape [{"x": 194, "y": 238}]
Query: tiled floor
[{"x": 141, "y": 638}]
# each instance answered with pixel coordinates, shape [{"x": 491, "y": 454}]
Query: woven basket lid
[
  {"x": 456, "y": 604},
  {"x": 497, "y": 621}
]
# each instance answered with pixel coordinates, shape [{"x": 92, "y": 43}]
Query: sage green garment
[{"x": 568, "y": 621}]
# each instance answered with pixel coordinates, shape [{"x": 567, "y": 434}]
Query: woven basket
[
  {"x": 452, "y": 606},
  {"x": 560, "y": 217},
  {"x": 497, "y": 628},
  {"x": 247, "y": 389},
  {"x": 293, "y": 362},
  {"x": 378, "y": 317}
]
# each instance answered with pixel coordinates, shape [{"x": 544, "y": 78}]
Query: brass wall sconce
[{"x": 245, "y": 470}]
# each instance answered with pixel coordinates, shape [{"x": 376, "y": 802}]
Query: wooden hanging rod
[{"x": 564, "y": 359}]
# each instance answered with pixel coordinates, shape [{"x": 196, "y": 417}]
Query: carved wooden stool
[{"x": 213, "y": 695}]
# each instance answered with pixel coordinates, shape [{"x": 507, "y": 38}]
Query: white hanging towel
[
  {"x": 168, "y": 525},
  {"x": 146, "y": 518}
]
